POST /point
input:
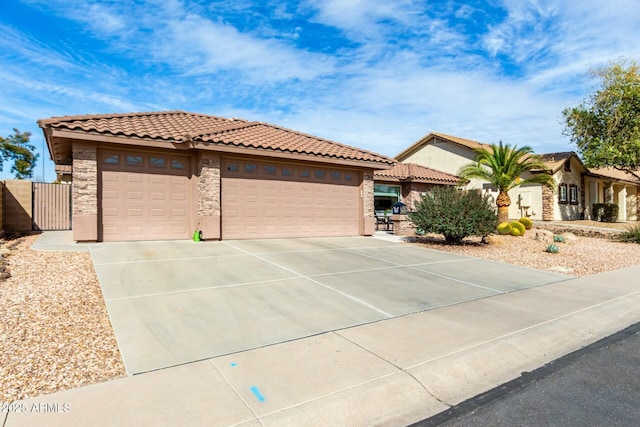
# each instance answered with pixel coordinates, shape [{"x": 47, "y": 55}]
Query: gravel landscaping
[
  {"x": 55, "y": 330},
  {"x": 578, "y": 255}
]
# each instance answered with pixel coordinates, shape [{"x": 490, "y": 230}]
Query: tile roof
[
  {"x": 180, "y": 126},
  {"x": 416, "y": 173},
  {"x": 554, "y": 161},
  {"x": 434, "y": 135},
  {"x": 614, "y": 174}
]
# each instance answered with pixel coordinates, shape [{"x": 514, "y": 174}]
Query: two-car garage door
[
  {"x": 147, "y": 196},
  {"x": 269, "y": 199}
]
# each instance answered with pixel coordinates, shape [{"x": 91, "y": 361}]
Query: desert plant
[
  {"x": 515, "y": 231},
  {"x": 553, "y": 249},
  {"x": 604, "y": 212},
  {"x": 630, "y": 235},
  {"x": 558, "y": 239},
  {"x": 504, "y": 228},
  {"x": 527, "y": 222},
  {"x": 456, "y": 214},
  {"x": 502, "y": 166},
  {"x": 519, "y": 226}
]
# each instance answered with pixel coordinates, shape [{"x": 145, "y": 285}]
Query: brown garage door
[
  {"x": 144, "y": 196},
  {"x": 263, "y": 200}
]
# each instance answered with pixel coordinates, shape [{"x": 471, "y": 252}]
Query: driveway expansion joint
[{"x": 399, "y": 368}]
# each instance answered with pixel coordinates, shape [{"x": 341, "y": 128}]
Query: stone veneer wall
[
  {"x": 367, "y": 203},
  {"x": 85, "y": 192},
  {"x": 548, "y": 199},
  {"x": 209, "y": 195}
]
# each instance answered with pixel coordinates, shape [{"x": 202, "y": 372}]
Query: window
[
  {"x": 348, "y": 176},
  {"x": 269, "y": 170},
  {"x": 112, "y": 160},
  {"x": 286, "y": 172},
  {"x": 157, "y": 162},
  {"x": 567, "y": 165},
  {"x": 250, "y": 168},
  {"x": 305, "y": 173},
  {"x": 134, "y": 160},
  {"x": 335, "y": 175},
  {"x": 385, "y": 196},
  {"x": 178, "y": 164},
  {"x": 320, "y": 173},
  {"x": 232, "y": 167},
  {"x": 562, "y": 193},
  {"x": 573, "y": 194}
]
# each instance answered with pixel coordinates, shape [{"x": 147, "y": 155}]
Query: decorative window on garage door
[{"x": 267, "y": 170}]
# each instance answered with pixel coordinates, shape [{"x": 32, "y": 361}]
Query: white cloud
[{"x": 215, "y": 46}]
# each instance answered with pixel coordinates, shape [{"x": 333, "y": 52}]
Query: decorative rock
[
  {"x": 569, "y": 237},
  {"x": 494, "y": 240},
  {"x": 543, "y": 235}
]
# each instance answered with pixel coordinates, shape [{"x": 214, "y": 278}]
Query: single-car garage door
[
  {"x": 274, "y": 200},
  {"x": 144, "y": 196}
]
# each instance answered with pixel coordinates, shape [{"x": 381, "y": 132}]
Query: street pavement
[{"x": 598, "y": 385}]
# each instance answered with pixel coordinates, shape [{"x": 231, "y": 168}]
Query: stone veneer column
[
  {"x": 367, "y": 203},
  {"x": 548, "y": 199},
  {"x": 208, "y": 219},
  {"x": 85, "y": 192}
]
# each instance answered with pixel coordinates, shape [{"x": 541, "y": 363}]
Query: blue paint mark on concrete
[
  {"x": 234, "y": 364},
  {"x": 257, "y": 393}
]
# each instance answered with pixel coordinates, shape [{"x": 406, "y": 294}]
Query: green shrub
[
  {"x": 504, "y": 228},
  {"x": 604, "y": 212},
  {"x": 527, "y": 222},
  {"x": 456, "y": 214},
  {"x": 553, "y": 249},
  {"x": 630, "y": 235},
  {"x": 558, "y": 239},
  {"x": 519, "y": 226},
  {"x": 515, "y": 231}
]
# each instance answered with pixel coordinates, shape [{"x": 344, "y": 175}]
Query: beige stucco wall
[
  {"x": 632, "y": 203},
  {"x": 446, "y": 157},
  {"x": 526, "y": 201},
  {"x": 568, "y": 211}
]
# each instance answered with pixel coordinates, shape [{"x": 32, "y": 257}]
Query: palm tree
[{"x": 502, "y": 166}]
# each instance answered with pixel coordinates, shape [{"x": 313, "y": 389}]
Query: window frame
[
  {"x": 573, "y": 194},
  {"x": 563, "y": 194}
]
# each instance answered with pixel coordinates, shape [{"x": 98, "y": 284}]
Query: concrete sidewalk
[{"x": 393, "y": 372}]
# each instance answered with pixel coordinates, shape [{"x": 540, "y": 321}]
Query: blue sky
[{"x": 375, "y": 74}]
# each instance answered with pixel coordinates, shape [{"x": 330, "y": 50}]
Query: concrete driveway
[{"x": 176, "y": 302}]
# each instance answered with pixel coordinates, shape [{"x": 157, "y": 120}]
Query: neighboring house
[
  {"x": 609, "y": 185},
  {"x": 568, "y": 201},
  {"x": 577, "y": 187},
  {"x": 444, "y": 153},
  {"x": 407, "y": 183},
  {"x": 164, "y": 175}
]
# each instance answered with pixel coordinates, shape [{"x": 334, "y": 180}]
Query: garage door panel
[
  {"x": 143, "y": 201},
  {"x": 264, "y": 204}
]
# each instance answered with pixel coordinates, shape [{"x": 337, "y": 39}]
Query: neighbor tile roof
[
  {"x": 416, "y": 173},
  {"x": 434, "y": 135},
  {"x": 614, "y": 174},
  {"x": 554, "y": 161},
  {"x": 180, "y": 126}
]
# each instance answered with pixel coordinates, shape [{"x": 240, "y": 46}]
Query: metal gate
[{"x": 51, "y": 206}]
